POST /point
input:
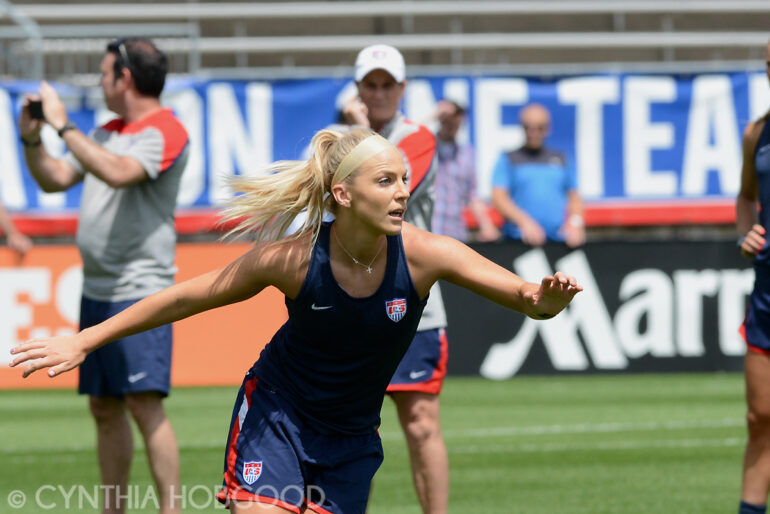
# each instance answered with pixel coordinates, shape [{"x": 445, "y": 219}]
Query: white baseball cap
[{"x": 380, "y": 57}]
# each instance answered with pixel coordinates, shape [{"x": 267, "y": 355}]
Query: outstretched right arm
[
  {"x": 433, "y": 257},
  {"x": 237, "y": 281}
]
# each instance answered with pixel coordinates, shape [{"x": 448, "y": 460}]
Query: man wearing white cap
[{"x": 380, "y": 75}]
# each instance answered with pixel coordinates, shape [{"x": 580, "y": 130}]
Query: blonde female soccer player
[{"x": 303, "y": 436}]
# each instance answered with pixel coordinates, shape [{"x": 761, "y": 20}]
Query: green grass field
[{"x": 600, "y": 444}]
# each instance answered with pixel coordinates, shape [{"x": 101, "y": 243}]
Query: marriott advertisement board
[{"x": 647, "y": 306}]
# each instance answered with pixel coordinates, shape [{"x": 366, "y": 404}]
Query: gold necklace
[{"x": 368, "y": 267}]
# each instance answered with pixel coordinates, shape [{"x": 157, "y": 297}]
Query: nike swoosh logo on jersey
[
  {"x": 416, "y": 374},
  {"x": 136, "y": 377},
  {"x": 320, "y": 307}
]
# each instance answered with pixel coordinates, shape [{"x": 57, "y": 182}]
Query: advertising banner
[
  {"x": 647, "y": 306},
  {"x": 657, "y": 140},
  {"x": 41, "y": 298},
  {"x": 654, "y": 306}
]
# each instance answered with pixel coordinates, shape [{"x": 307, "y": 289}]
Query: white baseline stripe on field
[
  {"x": 480, "y": 433},
  {"x": 725, "y": 442},
  {"x": 598, "y": 446},
  {"x": 587, "y": 428}
]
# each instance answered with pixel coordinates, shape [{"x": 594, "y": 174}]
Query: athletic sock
[{"x": 748, "y": 508}]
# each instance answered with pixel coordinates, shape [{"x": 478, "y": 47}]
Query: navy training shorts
[
  {"x": 134, "y": 364},
  {"x": 274, "y": 457},
  {"x": 423, "y": 367},
  {"x": 756, "y": 326}
]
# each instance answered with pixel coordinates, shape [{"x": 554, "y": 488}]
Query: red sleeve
[
  {"x": 115, "y": 125},
  {"x": 174, "y": 135},
  {"x": 419, "y": 148}
]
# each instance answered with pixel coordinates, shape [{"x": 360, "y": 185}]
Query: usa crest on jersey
[
  {"x": 396, "y": 308},
  {"x": 251, "y": 471}
]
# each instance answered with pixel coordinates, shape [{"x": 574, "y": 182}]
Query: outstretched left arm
[{"x": 433, "y": 258}]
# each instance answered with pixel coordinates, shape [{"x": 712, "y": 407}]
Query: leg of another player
[
  {"x": 115, "y": 447},
  {"x": 420, "y": 420},
  {"x": 162, "y": 449},
  {"x": 756, "y": 462}
]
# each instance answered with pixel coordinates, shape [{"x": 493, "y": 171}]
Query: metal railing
[
  {"x": 29, "y": 28},
  {"x": 177, "y": 28},
  {"x": 347, "y": 9}
]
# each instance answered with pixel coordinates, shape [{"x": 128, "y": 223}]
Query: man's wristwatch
[
  {"x": 69, "y": 125},
  {"x": 31, "y": 144}
]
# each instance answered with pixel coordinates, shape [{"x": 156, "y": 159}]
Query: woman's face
[{"x": 378, "y": 192}]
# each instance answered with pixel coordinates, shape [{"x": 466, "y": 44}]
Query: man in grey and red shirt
[{"x": 131, "y": 168}]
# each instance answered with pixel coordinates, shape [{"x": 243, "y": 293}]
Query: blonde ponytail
[{"x": 265, "y": 206}]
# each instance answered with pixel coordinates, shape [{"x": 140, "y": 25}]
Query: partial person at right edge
[
  {"x": 752, "y": 224},
  {"x": 535, "y": 189}
]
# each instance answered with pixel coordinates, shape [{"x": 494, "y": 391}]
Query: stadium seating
[{"x": 295, "y": 38}]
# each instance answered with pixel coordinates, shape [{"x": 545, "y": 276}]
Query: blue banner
[{"x": 630, "y": 136}]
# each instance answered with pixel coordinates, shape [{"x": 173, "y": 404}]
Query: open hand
[
  {"x": 531, "y": 232},
  {"x": 553, "y": 295},
  {"x": 20, "y": 243},
  {"x": 356, "y": 112},
  {"x": 574, "y": 235},
  {"x": 58, "y": 353},
  {"x": 53, "y": 109}
]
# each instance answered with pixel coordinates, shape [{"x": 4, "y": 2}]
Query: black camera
[{"x": 36, "y": 110}]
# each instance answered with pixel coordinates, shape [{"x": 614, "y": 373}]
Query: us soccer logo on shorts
[
  {"x": 252, "y": 471},
  {"x": 396, "y": 308}
]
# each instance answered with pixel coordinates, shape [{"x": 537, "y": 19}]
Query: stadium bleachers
[{"x": 295, "y": 38}]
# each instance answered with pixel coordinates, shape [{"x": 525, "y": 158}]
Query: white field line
[
  {"x": 599, "y": 446},
  {"x": 482, "y": 433},
  {"x": 587, "y": 428},
  {"x": 724, "y": 442}
]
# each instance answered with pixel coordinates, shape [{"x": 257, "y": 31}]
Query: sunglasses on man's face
[{"x": 535, "y": 128}]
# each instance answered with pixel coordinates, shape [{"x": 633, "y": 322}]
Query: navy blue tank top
[
  {"x": 334, "y": 357},
  {"x": 762, "y": 167}
]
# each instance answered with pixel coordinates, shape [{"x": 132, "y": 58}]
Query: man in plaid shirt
[{"x": 455, "y": 186}]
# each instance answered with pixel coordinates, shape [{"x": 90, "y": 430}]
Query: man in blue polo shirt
[{"x": 535, "y": 189}]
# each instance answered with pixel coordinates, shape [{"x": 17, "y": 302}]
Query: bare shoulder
[
  {"x": 421, "y": 245},
  {"x": 431, "y": 256},
  {"x": 282, "y": 263}
]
